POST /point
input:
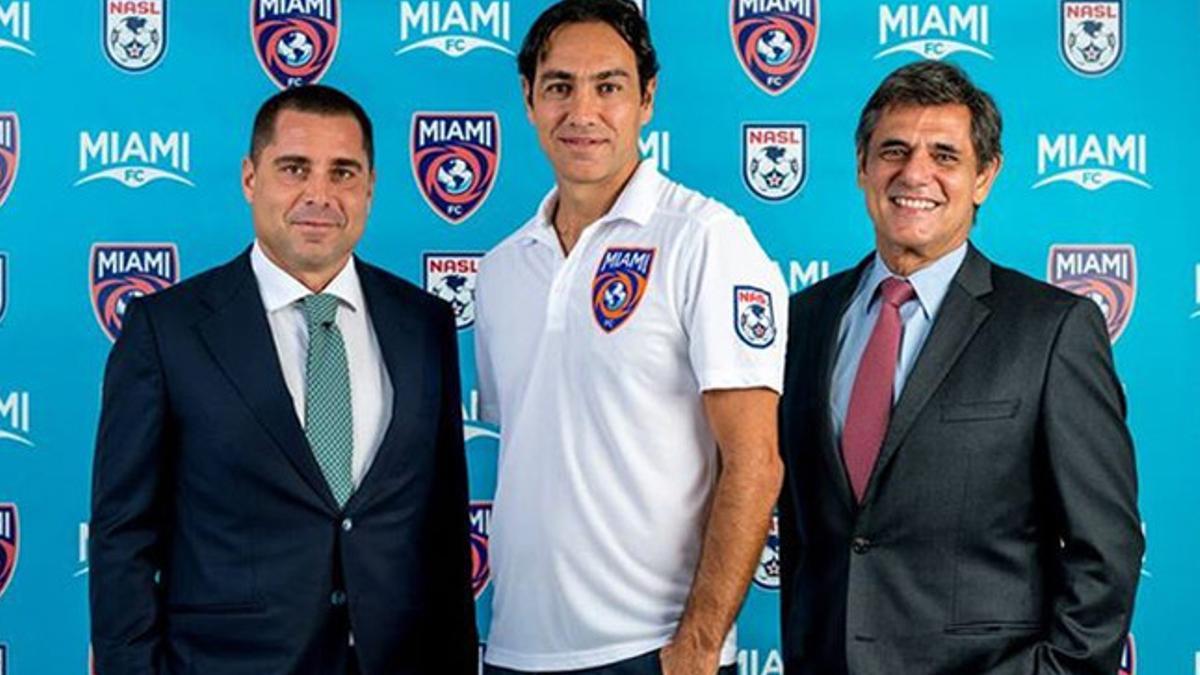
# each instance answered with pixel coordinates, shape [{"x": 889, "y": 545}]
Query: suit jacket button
[
  {"x": 337, "y": 598},
  {"x": 860, "y": 545},
  {"x": 347, "y": 525}
]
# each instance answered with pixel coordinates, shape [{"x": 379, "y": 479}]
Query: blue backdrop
[{"x": 122, "y": 125}]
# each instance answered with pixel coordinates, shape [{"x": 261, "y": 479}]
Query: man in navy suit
[{"x": 280, "y": 482}]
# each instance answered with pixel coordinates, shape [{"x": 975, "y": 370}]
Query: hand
[{"x": 679, "y": 658}]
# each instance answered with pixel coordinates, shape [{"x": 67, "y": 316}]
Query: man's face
[
  {"x": 922, "y": 181},
  {"x": 310, "y": 191},
  {"x": 586, "y": 104}
]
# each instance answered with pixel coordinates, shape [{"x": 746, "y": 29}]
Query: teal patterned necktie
[{"x": 328, "y": 419}]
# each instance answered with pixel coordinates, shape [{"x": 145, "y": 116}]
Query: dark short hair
[
  {"x": 929, "y": 83},
  {"x": 313, "y": 98},
  {"x": 622, "y": 16}
]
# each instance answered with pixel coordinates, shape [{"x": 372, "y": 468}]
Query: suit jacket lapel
[
  {"x": 399, "y": 345},
  {"x": 957, "y": 320},
  {"x": 829, "y": 324},
  {"x": 239, "y": 337}
]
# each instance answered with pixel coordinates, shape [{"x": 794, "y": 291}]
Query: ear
[
  {"x": 648, "y": 100},
  {"x": 248, "y": 179},
  {"x": 985, "y": 179},
  {"x": 370, "y": 186},
  {"x": 860, "y": 176},
  {"x": 527, "y": 97}
]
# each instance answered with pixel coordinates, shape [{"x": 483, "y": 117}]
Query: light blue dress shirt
[{"x": 930, "y": 283}]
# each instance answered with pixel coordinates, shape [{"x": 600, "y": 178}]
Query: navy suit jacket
[
  {"x": 216, "y": 544},
  {"x": 999, "y": 533}
]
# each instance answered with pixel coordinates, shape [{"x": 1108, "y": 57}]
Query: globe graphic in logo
[
  {"x": 614, "y": 295},
  {"x": 775, "y": 47},
  {"x": 295, "y": 49},
  {"x": 455, "y": 176}
]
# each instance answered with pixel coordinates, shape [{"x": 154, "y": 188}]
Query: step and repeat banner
[{"x": 123, "y": 123}]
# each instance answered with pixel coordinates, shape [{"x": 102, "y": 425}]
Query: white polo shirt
[{"x": 593, "y": 365}]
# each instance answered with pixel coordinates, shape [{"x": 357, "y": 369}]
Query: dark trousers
[{"x": 646, "y": 664}]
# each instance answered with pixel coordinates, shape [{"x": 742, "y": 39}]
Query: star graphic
[
  {"x": 1092, "y": 53},
  {"x": 774, "y": 180},
  {"x": 773, "y": 567}
]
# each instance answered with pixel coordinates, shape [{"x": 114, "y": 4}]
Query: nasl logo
[
  {"x": 14, "y": 414},
  {"x": 656, "y": 146},
  {"x": 135, "y": 33},
  {"x": 1128, "y": 657},
  {"x": 3, "y": 284},
  {"x": 481, "y": 529},
  {"x": 455, "y": 157},
  {"x": 766, "y": 575},
  {"x": 134, "y": 159},
  {"x": 1106, "y": 273},
  {"x": 10, "y": 152},
  {"x": 619, "y": 285},
  {"x": 931, "y": 32},
  {"x": 1093, "y": 161},
  {"x": 774, "y": 40},
  {"x": 1091, "y": 35},
  {"x": 121, "y": 272},
  {"x": 14, "y": 19},
  {"x": 774, "y": 159},
  {"x": 295, "y": 40},
  {"x": 9, "y": 544},
  {"x": 754, "y": 316},
  {"x": 456, "y": 28},
  {"x": 451, "y": 277}
]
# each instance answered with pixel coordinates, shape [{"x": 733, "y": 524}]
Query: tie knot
[
  {"x": 896, "y": 292},
  {"x": 320, "y": 309}
]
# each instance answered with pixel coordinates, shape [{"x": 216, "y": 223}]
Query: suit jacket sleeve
[
  {"x": 456, "y": 605},
  {"x": 1090, "y": 458},
  {"x": 129, "y": 479}
]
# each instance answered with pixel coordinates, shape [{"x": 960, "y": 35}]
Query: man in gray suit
[{"x": 960, "y": 493}]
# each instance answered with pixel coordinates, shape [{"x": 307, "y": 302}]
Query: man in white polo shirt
[{"x": 628, "y": 347}]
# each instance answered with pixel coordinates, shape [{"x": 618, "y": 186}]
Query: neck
[
  {"x": 905, "y": 262},
  {"x": 314, "y": 280},
  {"x": 581, "y": 204}
]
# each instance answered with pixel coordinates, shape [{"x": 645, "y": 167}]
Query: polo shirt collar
[{"x": 636, "y": 204}]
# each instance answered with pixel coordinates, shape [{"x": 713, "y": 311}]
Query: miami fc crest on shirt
[
  {"x": 9, "y": 544},
  {"x": 454, "y": 158},
  {"x": 1106, "y": 274},
  {"x": 619, "y": 285},
  {"x": 10, "y": 152},
  {"x": 1091, "y": 35},
  {"x": 295, "y": 40},
  {"x": 135, "y": 33},
  {"x": 774, "y": 159},
  {"x": 754, "y": 316},
  {"x": 774, "y": 40},
  {"x": 451, "y": 277},
  {"x": 121, "y": 272},
  {"x": 481, "y": 525}
]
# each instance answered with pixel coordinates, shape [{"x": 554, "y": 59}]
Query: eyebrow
[
  {"x": 341, "y": 162},
  {"x": 563, "y": 75}
]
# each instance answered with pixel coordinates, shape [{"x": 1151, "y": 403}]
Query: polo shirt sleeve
[
  {"x": 734, "y": 307},
  {"x": 485, "y": 372}
]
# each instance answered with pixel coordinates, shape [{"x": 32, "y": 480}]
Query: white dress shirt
[{"x": 370, "y": 386}]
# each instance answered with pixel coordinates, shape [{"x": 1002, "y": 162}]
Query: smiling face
[
  {"x": 587, "y": 107},
  {"x": 922, "y": 182},
  {"x": 310, "y": 191}
]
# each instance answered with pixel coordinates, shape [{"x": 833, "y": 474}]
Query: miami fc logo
[
  {"x": 481, "y": 525},
  {"x": 135, "y": 33},
  {"x": 10, "y": 152},
  {"x": 774, "y": 40},
  {"x": 753, "y": 316},
  {"x": 619, "y": 285},
  {"x": 766, "y": 575},
  {"x": 121, "y": 272},
  {"x": 455, "y": 157},
  {"x": 1106, "y": 274},
  {"x": 9, "y": 544},
  {"x": 774, "y": 159},
  {"x": 1091, "y": 35},
  {"x": 295, "y": 40}
]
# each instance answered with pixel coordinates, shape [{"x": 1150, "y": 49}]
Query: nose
[
  {"x": 917, "y": 170},
  {"x": 317, "y": 190},
  {"x": 583, "y": 108}
]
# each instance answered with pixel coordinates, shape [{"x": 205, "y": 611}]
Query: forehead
[
  {"x": 912, "y": 123},
  {"x": 583, "y": 47},
  {"x": 313, "y": 135}
]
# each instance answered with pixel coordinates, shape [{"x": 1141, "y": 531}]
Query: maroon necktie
[{"x": 871, "y": 398}]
